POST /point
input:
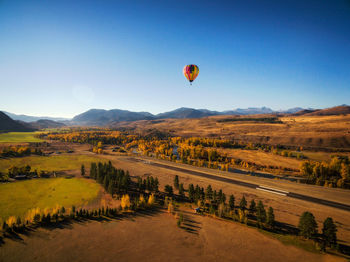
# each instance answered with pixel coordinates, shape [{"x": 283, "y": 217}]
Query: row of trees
[
  {"x": 194, "y": 150},
  {"x": 214, "y": 202},
  {"x": 113, "y": 180},
  {"x": 333, "y": 174},
  {"x": 19, "y": 151},
  {"x": 46, "y": 217}
]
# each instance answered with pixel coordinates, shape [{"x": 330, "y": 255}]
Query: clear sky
[{"x": 61, "y": 58}]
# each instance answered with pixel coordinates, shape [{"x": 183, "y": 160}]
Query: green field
[
  {"x": 18, "y": 197},
  {"x": 19, "y": 137},
  {"x": 50, "y": 163}
]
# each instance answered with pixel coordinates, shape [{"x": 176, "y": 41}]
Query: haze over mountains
[
  {"x": 101, "y": 117},
  {"x": 104, "y": 117},
  {"x": 27, "y": 118}
]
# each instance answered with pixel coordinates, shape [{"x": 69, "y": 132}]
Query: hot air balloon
[{"x": 191, "y": 72}]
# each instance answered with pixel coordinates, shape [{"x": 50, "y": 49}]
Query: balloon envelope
[{"x": 191, "y": 72}]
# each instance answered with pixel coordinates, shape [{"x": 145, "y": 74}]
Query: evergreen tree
[
  {"x": 106, "y": 182},
  {"x": 307, "y": 225},
  {"x": 169, "y": 190},
  {"x": 176, "y": 182},
  {"x": 110, "y": 189},
  {"x": 191, "y": 192},
  {"x": 214, "y": 195},
  {"x": 82, "y": 170},
  {"x": 231, "y": 202},
  {"x": 209, "y": 193},
  {"x": 181, "y": 190},
  {"x": 252, "y": 207},
  {"x": 329, "y": 232},
  {"x": 261, "y": 213},
  {"x": 270, "y": 220},
  {"x": 93, "y": 170},
  {"x": 156, "y": 184},
  {"x": 243, "y": 203}
]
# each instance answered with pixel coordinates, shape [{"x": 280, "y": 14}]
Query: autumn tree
[{"x": 125, "y": 202}]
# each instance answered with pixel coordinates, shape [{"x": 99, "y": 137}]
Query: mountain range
[
  {"x": 26, "y": 118},
  {"x": 101, "y": 117}
]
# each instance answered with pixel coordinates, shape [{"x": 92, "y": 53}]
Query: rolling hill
[
  {"x": 100, "y": 117},
  {"x": 9, "y": 125},
  {"x": 45, "y": 123}
]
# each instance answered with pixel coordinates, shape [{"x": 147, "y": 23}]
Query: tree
[
  {"x": 93, "y": 170},
  {"x": 110, "y": 189},
  {"x": 82, "y": 170},
  {"x": 125, "y": 203},
  {"x": 176, "y": 182},
  {"x": 169, "y": 190},
  {"x": 181, "y": 190},
  {"x": 151, "y": 200},
  {"x": 243, "y": 203},
  {"x": 252, "y": 207},
  {"x": 270, "y": 220},
  {"x": 329, "y": 232},
  {"x": 345, "y": 171},
  {"x": 307, "y": 225},
  {"x": 261, "y": 213},
  {"x": 231, "y": 202},
  {"x": 191, "y": 192},
  {"x": 209, "y": 193}
]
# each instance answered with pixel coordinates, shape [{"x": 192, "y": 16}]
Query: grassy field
[
  {"x": 262, "y": 158},
  {"x": 17, "y": 198},
  {"x": 19, "y": 137},
  {"x": 50, "y": 163}
]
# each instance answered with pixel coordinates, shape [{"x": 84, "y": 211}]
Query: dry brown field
[
  {"x": 154, "y": 237},
  {"x": 314, "y": 132},
  {"x": 286, "y": 209}
]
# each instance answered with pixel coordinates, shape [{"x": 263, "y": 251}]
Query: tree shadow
[{"x": 68, "y": 222}]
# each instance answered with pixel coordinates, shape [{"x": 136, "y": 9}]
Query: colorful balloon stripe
[{"x": 191, "y": 72}]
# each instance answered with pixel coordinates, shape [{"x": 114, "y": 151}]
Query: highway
[{"x": 250, "y": 185}]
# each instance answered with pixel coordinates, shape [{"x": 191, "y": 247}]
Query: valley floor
[{"x": 154, "y": 237}]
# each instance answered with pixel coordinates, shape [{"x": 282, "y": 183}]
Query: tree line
[
  {"x": 215, "y": 202},
  {"x": 19, "y": 151},
  {"x": 336, "y": 173}
]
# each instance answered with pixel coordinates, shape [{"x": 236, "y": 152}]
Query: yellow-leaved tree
[
  {"x": 125, "y": 202},
  {"x": 142, "y": 201},
  {"x": 11, "y": 221},
  {"x": 151, "y": 200}
]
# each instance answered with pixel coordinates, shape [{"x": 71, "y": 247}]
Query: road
[{"x": 250, "y": 185}]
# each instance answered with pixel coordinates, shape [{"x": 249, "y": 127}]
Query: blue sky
[{"x": 60, "y": 58}]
